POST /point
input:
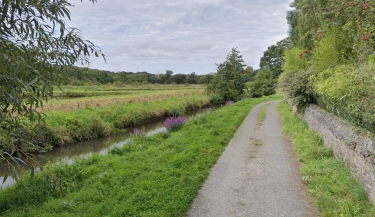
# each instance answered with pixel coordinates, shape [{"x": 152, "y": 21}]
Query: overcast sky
[{"x": 180, "y": 35}]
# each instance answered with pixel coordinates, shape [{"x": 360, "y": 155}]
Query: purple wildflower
[
  {"x": 138, "y": 132},
  {"x": 229, "y": 102},
  {"x": 174, "y": 122}
]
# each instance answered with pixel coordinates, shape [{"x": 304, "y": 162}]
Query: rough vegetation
[{"x": 333, "y": 55}]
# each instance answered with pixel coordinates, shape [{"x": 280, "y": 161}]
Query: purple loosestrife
[
  {"x": 229, "y": 102},
  {"x": 174, "y": 123},
  {"x": 138, "y": 132}
]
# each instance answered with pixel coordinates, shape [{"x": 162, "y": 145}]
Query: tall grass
[
  {"x": 334, "y": 190},
  {"x": 74, "y": 100},
  {"x": 84, "y": 124},
  {"x": 150, "y": 176}
]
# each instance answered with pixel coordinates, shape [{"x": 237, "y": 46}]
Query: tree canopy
[
  {"x": 273, "y": 57},
  {"x": 35, "y": 48}
]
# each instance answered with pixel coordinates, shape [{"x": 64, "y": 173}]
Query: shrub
[
  {"x": 349, "y": 91},
  {"x": 263, "y": 85},
  {"x": 329, "y": 52},
  {"x": 293, "y": 60},
  {"x": 297, "y": 87}
]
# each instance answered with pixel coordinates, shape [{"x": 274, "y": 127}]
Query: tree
[
  {"x": 179, "y": 78},
  {"x": 249, "y": 73},
  {"x": 273, "y": 57},
  {"x": 229, "y": 82},
  {"x": 193, "y": 78},
  {"x": 167, "y": 78},
  {"x": 35, "y": 49},
  {"x": 263, "y": 85},
  {"x": 292, "y": 19}
]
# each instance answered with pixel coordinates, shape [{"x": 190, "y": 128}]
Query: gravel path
[{"x": 257, "y": 175}]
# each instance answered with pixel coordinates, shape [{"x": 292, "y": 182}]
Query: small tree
[
  {"x": 229, "y": 81},
  {"x": 264, "y": 84}
]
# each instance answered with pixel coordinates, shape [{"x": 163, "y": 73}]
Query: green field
[{"x": 78, "y": 97}]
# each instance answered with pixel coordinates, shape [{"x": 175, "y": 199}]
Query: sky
[{"x": 184, "y": 36}]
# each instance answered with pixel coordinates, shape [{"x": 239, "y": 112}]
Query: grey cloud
[{"x": 179, "y": 35}]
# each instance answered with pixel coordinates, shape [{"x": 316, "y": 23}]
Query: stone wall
[{"x": 348, "y": 144}]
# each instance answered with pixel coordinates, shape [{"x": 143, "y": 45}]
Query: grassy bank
[
  {"x": 334, "y": 190},
  {"x": 84, "y": 124},
  {"x": 151, "y": 176}
]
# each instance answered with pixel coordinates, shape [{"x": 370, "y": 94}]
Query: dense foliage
[
  {"x": 263, "y": 85},
  {"x": 35, "y": 48},
  {"x": 273, "y": 57},
  {"x": 334, "y": 46}
]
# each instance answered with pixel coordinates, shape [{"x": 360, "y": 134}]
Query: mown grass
[
  {"x": 333, "y": 189},
  {"x": 151, "y": 176}
]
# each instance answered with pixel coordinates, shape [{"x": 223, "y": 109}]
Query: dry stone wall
[{"x": 348, "y": 144}]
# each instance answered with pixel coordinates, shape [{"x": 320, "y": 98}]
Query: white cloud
[{"x": 183, "y": 36}]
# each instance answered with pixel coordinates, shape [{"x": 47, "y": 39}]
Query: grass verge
[
  {"x": 329, "y": 182},
  {"x": 151, "y": 176}
]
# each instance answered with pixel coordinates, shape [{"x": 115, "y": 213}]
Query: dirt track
[{"x": 255, "y": 178}]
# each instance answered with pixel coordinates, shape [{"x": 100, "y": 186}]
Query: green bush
[
  {"x": 263, "y": 84},
  {"x": 349, "y": 92},
  {"x": 329, "y": 52},
  {"x": 297, "y": 88},
  {"x": 293, "y": 60}
]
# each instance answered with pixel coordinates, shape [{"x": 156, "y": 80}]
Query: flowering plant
[
  {"x": 174, "y": 123},
  {"x": 229, "y": 102},
  {"x": 138, "y": 132}
]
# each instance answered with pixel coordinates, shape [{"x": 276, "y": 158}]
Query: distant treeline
[{"x": 85, "y": 76}]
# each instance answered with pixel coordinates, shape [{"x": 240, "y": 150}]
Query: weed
[
  {"x": 262, "y": 114},
  {"x": 257, "y": 143}
]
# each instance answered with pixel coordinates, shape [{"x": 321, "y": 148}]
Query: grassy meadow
[
  {"x": 150, "y": 176},
  {"x": 78, "y": 97},
  {"x": 329, "y": 182}
]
